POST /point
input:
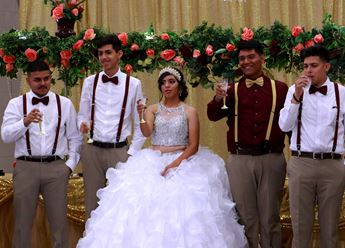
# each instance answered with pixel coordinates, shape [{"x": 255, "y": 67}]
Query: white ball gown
[{"x": 189, "y": 208}]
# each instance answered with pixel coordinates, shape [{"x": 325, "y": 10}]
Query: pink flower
[
  {"x": 9, "y": 67},
  {"x": 75, "y": 12},
  {"x": 128, "y": 69},
  {"x": 58, "y": 12},
  {"x": 168, "y": 54},
  {"x": 318, "y": 38},
  {"x": 150, "y": 52},
  {"x": 44, "y": 50},
  {"x": 134, "y": 47},
  {"x": 30, "y": 54},
  {"x": 78, "y": 45},
  {"x": 230, "y": 47},
  {"x": 74, "y": 2},
  {"x": 165, "y": 36},
  {"x": 209, "y": 50},
  {"x": 9, "y": 59},
  {"x": 296, "y": 30},
  {"x": 2, "y": 53},
  {"x": 309, "y": 43},
  {"x": 123, "y": 37},
  {"x": 299, "y": 47},
  {"x": 179, "y": 60},
  {"x": 247, "y": 34},
  {"x": 196, "y": 53},
  {"x": 66, "y": 55},
  {"x": 89, "y": 34}
]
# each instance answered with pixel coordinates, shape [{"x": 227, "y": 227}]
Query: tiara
[{"x": 172, "y": 71}]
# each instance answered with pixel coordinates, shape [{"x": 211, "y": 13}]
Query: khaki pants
[
  {"x": 96, "y": 161},
  {"x": 29, "y": 180},
  {"x": 257, "y": 184},
  {"x": 312, "y": 182}
]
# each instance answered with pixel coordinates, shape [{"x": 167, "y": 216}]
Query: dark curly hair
[{"x": 182, "y": 83}]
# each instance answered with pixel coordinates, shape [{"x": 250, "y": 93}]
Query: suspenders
[
  {"x": 299, "y": 123},
  {"x": 27, "y": 134},
  {"x": 123, "y": 109},
  {"x": 270, "y": 122}
]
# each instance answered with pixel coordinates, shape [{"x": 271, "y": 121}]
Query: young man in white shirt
[
  {"x": 43, "y": 126},
  {"x": 107, "y": 111},
  {"x": 314, "y": 111}
]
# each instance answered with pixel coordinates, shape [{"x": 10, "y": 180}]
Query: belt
[
  {"x": 109, "y": 145},
  {"x": 41, "y": 159},
  {"x": 254, "y": 152},
  {"x": 317, "y": 155}
]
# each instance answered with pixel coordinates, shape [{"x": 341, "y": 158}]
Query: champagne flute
[
  {"x": 40, "y": 124},
  {"x": 224, "y": 86},
  {"x": 143, "y": 101},
  {"x": 88, "y": 125}
]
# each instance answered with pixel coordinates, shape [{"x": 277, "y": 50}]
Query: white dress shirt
[
  {"x": 69, "y": 141},
  {"x": 108, "y": 104},
  {"x": 319, "y": 114}
]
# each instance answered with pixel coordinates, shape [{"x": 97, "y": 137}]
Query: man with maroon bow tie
[
  {"x": 256, "y": 164},
  {"x": 107, "y": 111},
  {"x": 315, "y": 111},
  {"x": 43, "y": 126}
]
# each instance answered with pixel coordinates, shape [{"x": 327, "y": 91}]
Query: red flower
[
  {"x": 296, "y": 30},
  {"x": 179, "y": 60},
  {"x": 58, "y": 12},
  {"x": 150, "y": 52},
  {"x": 196, "y": 53},
  {"x": 165, "y": 36},
  {"x": 66, "y": 55},
  {"x": 78, "y": 45},
  {"x": 209, "y": 50},
  {"x": 65, "y": 63},
  {"x": 75, "y": 12},
  {"x": 2, "y": 53},
  {"x": 318, "y": 38},
  {"x": 123, "y": 37},
  {"x": 44, "y": 49},
  {"x": 168, "y": 54},
  {"x": 89, "y": 34},
  {"x": 9, "y": 59},
  {"x": 128, "y": 69},
  {"x": 230, "y": 47},
  {"x": 134, "y": 47},
  {"x": 247, "y": 34},
  {"x": 299, "y": 47},
  {"x": 30, "y": 54},
  {"x": 309, "y": 43},
  {"x": 9, "y": 67}
]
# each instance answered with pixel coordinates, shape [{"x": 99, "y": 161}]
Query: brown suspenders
[
  {"x": 123, "y": 109},
  {"x": 27, "y": 134},
  {"x": 299, "y": 122}
]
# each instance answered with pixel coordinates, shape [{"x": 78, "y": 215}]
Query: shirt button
[
  {"x": 256, "y": 113},
  {"x": 255, "y": 125},
  {"x": 255, "y": 90},
  {"x": 254, "y": 136},
  {"x": 256, "y": 101}
]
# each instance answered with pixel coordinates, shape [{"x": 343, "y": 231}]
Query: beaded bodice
[{"x": 170, "y": 126}]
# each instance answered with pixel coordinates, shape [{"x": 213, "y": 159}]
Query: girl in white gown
[{"x": 172, "y": 195}]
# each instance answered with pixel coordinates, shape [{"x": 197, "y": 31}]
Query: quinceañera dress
[{"x": 188, "y": 208}]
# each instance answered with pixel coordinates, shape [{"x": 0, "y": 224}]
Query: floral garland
[{"x": 207, "y": 52}]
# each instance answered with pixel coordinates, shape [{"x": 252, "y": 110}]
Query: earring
[{"x": 180, "y": 93}]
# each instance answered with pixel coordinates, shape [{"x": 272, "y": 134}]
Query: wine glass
[
  {"x": 143, "y": 101},
  {"x": 224, "y": 86},
  {"x": 88, "y": 125},
  {"x": 40, "y": 125}
]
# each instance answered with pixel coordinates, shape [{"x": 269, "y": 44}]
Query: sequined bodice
[{"x": 170, "y": 126}]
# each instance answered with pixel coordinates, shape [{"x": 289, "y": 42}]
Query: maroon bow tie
[
  {"x": 322, "y": 89},
  {"x": 44, "y": 100},
  {"x": 107, "y": 79}
]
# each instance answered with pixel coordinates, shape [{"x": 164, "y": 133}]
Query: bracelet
[{"x": 295, "y": 98}]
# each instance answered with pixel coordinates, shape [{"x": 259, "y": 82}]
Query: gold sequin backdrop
[{"x": 175, "y": 15}]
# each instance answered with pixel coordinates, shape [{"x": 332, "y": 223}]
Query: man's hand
[{"x": 34, "y": 116}]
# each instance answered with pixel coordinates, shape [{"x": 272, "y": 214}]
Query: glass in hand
[
  {"x": 40, "y": 125},
  {"x": 224, "y": 86},
  {"x": 143, "y": 101},
  {"x": 88, "y": 125}
]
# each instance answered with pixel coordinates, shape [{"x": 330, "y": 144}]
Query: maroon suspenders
[{"x": 123, "y": 109}]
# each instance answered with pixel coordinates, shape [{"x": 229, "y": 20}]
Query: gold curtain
[{"x": 137, "y": 15}]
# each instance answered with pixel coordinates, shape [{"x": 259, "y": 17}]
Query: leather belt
[
  {"x": 109, "y": 145},
  {"x": 41, "y": 159},
  {"x": 317, "y": 155}
]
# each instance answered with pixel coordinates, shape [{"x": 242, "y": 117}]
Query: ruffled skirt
[{"x": 189, "y": 208}]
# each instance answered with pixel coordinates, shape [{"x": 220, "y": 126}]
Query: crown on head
[{"x": 172, "y": 71}]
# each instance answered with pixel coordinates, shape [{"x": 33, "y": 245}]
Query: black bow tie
[
  {"x": 44, "y": 100},
  {"x": 322, "y": 89},
  {"x": 107, "y": 79}
]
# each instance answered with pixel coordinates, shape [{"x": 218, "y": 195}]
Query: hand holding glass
[
  {"x": 143, "y": 102},
  {"x": 40, "y": 124},
  {"x": 88, "y": 125},
  {"x": 224, "y": 86}
]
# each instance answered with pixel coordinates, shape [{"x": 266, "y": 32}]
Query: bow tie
[
  {"x": 107, "y": 79},
  {"x": 44, "y": 100},
  {"x": 322, "y": 89},
  {"x": 259, "y": 81}
]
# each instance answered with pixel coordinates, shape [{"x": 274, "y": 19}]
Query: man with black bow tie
[
  {"x": 43, "y": 126},
  {"x": 315, "y": 111},
  {"x": 256, "y": 164},
  {"x": 107, "y": 111}
]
